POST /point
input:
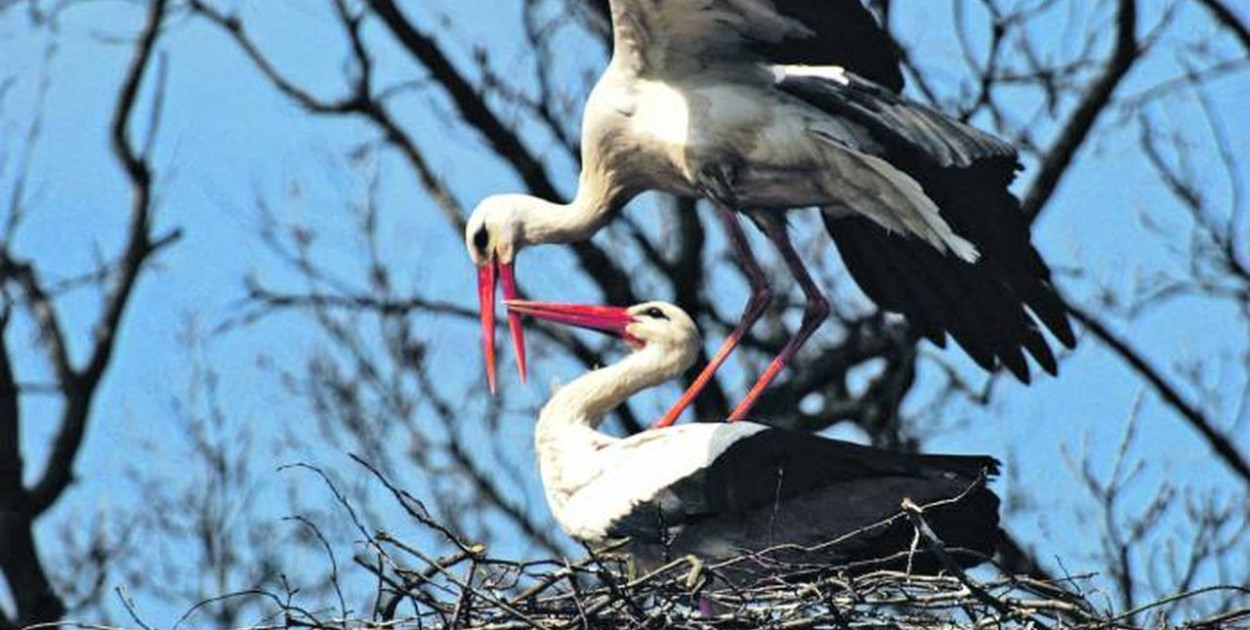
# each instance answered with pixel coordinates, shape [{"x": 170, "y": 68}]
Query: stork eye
[
  {"x": 655, "y": 313},
  {"x": 481, "y": 239}
]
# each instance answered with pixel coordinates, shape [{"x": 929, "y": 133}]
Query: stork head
[
  {"x": 493, "y": 237},
  {"x": 650, "y": 325}
]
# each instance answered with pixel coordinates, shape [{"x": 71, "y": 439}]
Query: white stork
[
  {"x": 702, "y": 98},
  {"x": 718, "y": 490}
]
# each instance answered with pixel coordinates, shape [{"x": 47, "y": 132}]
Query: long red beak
[
  {"x": 609, "y": 319},
  {"x": 487, "y": 277}
]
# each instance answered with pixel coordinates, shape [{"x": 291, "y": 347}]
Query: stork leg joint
[
  {"x": 817, "y": 308},
  {"x": 761, "y": 298}
]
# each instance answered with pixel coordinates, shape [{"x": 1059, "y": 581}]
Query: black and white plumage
[
  {"x": 719, "y": 490},
  {"x": 703, "y": 98}
]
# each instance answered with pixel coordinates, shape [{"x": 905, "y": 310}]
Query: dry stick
[
  {"x": 582, "y": 614},
  {"x": 1128, "y": 614},
  {"x": 406, "y": 501},
  {"x": 464, "y": 603},
  {"x": 504, "y": 606},
  {"x": 555, "y": 578},
  {"x": 129, "y": 604},
  {"x": 916, "y": 515},
  {"x": 618, "y": 596},
  {"x": 334, "y": 564}
]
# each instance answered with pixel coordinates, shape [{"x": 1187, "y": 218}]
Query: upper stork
[
  {"x": 719, "y": 491},
  {"x": 762, "y": 106}
]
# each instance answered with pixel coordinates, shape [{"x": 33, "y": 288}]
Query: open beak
[
  {"x": 609, "y": 319},
  {"x": 488, "y": 275}
]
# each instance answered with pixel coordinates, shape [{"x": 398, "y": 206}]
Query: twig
[{"x": 1170, "y": 395}]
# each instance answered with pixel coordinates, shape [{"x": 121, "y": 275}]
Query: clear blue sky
[{"x": 227, "y": 137}]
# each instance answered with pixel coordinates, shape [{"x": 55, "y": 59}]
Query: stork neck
[
  {"x": 629, "y": 36},
  {"x": 546, "y": 222},
  {"x": 586, "y": 401}
]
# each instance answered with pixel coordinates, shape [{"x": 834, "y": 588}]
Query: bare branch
[
  {"x": 139, "y": 247},
  {"x": 1225, "y": 15},
  {"x": 474, "y": 110},
  {"x": 42, "y": 311},
  {"x": 1218, "y": 442},
  {"x": 1078, "y": 126}
]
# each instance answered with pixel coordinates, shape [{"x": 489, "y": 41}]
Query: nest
[{"x": 470, "y": 590}]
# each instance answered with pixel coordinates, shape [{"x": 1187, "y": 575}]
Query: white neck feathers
[
  {"x": 586, "y": 401},
  {"x": 542, "y": 221}
]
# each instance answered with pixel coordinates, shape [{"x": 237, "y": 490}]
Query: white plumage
[
  {"x": 761, "y": 107},
  {"x": 717, "y": 490}
]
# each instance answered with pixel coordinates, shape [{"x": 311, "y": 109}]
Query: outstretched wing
[
  {"x": 994, "y": 307},
  {"x": 674, "y": 34}
]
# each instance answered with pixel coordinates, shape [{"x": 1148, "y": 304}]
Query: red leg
[
  {"x": 813, "y": 316},
  {"x": 761, "y": 295}
]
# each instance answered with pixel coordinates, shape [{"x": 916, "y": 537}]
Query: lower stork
[
  {"x": 720, "y": 490},
  {"x": 763, "y": 106}
]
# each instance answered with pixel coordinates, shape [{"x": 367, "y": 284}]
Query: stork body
[
  {"x": 718, "y": 491},
  {"x": 742, "y": 140},
  {"x": 701, "y": 98}
]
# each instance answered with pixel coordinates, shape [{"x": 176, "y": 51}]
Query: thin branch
[
  {"x": 139, "y": 247},
  {"x": 475, "y": 111},
  {"x": 1218, "y": 442},
  {"x": 1224, "y": 15}
]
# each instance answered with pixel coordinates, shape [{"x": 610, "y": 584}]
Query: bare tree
[
  {"x": 27, "y": 294},
  {"x": 422, "y": 84},
  {"x": 527, "y": 120}
]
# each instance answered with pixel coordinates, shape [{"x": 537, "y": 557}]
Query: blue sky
[{"x": 227, "y": 138}]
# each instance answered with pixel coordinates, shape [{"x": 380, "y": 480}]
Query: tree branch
[
  {"x": 11, "y": 491},
  {"x": 1076, "y": 130},
  {"x": 474, "y": 110},
  {"x": 80, "y": 391},
  {"x": 1170, "y": 395},
  {"x": 472, "y": 107},
  {"x": 360, "y": 102},
  {"x": 1225, "y": 16},
  {"x": 39, "y": 303}
]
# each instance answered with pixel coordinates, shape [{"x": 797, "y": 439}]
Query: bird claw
[{"x": 696, "y": 571}]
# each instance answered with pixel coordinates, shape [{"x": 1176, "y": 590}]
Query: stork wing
[
  {"x": 773, "y": 466},
  {"x": 672, "y": 34},
  {"x": 993, "y": 308},
  {"x": 896, "y": 122}
]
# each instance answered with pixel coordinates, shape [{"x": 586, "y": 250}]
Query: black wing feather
[
  {"x": 791, "y": 488},
  {"x": 844, "y": 33},
  {"x": 775, "y": 465},
  {"x": 991, "y": 308}
]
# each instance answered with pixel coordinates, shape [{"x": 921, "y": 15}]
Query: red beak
[
  {"x": 488, "y": 276},
  {"x": 609, "y": 319}
]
